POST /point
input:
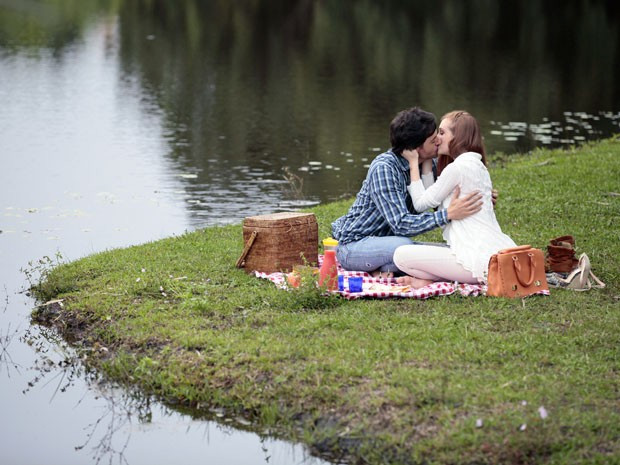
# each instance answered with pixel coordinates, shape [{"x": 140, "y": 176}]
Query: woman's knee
[{"x": 401, "y": 255}]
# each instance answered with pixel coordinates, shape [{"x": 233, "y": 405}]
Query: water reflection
[
  {"x": 299, "y": 84},
  {"x": 6, "y": 360},
  {"x": 127, "y": 424},
  {"x": 217, "y": 196},
  {"x": 247, "y": 93},
  {"x": 574, "y": 129}
]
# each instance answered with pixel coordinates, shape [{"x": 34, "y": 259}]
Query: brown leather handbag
[{"x": 517, "y": 272}]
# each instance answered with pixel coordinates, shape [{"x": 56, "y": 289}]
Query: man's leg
[{"x": 371, "y": 253}]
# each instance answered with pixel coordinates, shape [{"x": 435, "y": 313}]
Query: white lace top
[{"x": 473, "y": 239}]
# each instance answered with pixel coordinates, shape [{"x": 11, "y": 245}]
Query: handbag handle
[
  {"x": 517, "y": 266},
  {"x": 519, "y": 248}
]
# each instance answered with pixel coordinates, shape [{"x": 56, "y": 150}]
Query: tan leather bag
[{"x": 517, "y": 272}]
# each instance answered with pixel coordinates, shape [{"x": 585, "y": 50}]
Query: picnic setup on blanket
[
  {"x": 277, "y": 246},
  {"x": 380, "y": 288}
]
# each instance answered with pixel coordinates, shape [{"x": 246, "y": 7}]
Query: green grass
[{"x": 376, "y": 381}]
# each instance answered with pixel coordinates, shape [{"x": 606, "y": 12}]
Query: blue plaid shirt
[{"x": 383, "y": 206}]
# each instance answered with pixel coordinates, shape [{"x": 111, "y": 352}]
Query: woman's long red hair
[{"x": 467, "y": 138}]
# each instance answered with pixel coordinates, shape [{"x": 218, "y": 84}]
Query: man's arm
[{"x": 388, "y": 192}]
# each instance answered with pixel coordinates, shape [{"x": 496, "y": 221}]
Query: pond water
[{"x": 124, "y": 122}]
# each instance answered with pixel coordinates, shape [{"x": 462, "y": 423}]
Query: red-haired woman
[{"x": 472, "y": 240}]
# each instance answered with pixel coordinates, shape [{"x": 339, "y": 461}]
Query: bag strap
[
  {"x": 517, "y": 266},
  {"x": 246, "y": 249},
  {"x": 519, "y": 248}
]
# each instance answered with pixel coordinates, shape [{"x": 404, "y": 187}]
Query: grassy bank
[{"x": 447, "y": 380}]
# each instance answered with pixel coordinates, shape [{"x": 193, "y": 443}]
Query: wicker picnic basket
[{"x": 279, "y": 241}]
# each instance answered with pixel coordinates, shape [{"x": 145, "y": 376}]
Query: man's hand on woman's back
[{"x": 462, "y": 207}]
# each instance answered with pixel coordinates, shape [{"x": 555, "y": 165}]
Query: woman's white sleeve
[{"x": 424, "y": 199}]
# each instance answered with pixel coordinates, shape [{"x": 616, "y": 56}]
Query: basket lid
[{"x": 283, "y": 217}]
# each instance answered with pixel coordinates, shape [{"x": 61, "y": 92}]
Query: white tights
[{"x": 431, "y": 262}]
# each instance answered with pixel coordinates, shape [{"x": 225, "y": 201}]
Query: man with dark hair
[
  {"x": 410, "y": 128},
  {"x": 382, "y": 217}
]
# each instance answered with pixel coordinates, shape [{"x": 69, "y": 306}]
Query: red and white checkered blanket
[{"x": 386, "y": 287}]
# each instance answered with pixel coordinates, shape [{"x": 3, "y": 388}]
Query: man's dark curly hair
[{"x": 410, "y": 128}]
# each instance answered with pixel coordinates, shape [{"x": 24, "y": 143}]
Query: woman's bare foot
[{"x": 415, "y": 283}]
